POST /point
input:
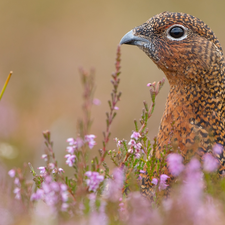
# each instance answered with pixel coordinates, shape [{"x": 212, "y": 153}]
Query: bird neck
[{"x": 197, "y": 98}]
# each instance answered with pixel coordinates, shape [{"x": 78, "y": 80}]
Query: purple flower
[
  {"x": 192, "y": 188},
  {"x": 51, "y": 166},
  {"x": 38, "y": 195},
  {"x": 119, "y": 142},
  {"x": 70, "y": 141},
  {"x": 193, "y": 166},
  {"x": 135, "y": 147},
  {"x": 17, "y": 181},
  {"x": 64, "y": 207},
  {"x": 116, "y": 108},
  {"x": 96, "y": 101},
  {"x": 218, "y": 149},
  {"x": 175, "y": 164},
  {"x": 45, "y": 157},
  {"x": 121, "y": 205},
  {"x": 210, "y": 164},
  {"x": 94, "y": 180},
  {"x": 42, "y": 170},
  {"x": 12, "y": 173},
  {"x": 113, "y": 187},
  {"x": 138, "y": 146},
  {"x": 130, "y": 150},
  {"x": 137, "y": 155},
  {"x": 17, "y": 193},
  {"x": 53, "y": 193},
  {"x": 70, "y": 149},
  {"x": 70, "y": 159},
  {"x": 135, "y": 135},
  {"x": 154, "y": 181},
  {"x": 74, "y": 144},
  {"x": 99, "y": 217},
  {"x": 90, "y": 139},
  {"x": 61, "y": 170},
  {"x": 132, "y": 142},
  {"x": 162, "y": 183}
]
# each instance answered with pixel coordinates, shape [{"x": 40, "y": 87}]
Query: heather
[{"x": 98, "y": 193}]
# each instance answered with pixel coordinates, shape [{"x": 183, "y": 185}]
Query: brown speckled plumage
[{"x": 194, "y": 67}]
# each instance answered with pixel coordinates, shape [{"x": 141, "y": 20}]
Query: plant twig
[
  {"x": 115, "y": 97},
  {"x": 5, "y": 85}
]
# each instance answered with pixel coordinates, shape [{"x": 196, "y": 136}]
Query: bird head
[{"x": 181, "y": 45}]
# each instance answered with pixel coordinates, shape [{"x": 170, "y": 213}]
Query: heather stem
[{"x": 115, "y": 97}]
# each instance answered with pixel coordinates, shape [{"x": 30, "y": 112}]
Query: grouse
[{"x": 191, "y": 57}]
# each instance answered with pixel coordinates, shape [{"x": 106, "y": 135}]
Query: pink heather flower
[
  {"x": 64, "y": 207},
  {"x": 137, "y": 155},
  {"x": 149, "y": 84},
  {"x": 51, "y": 166},
  {"x": 17, "y": 193},
  {"x": 99, "y": 217},
  {"x": 116, "y": 108},
  {"x": 61, "y": 170},
  {"x": 70, "y": 149},
  {"x": 88, "y": 173},
  {"x": 154, "y": 181},
  {"x": 90, "y": 139},
  {"x": 162, "y": 183},
  {"x": 121, "y": 205},
  {"x": 94, "y": 180},
  {"x": 52, "y": 193},
  {"x": 118, "y": 142},
  {"x": 130, "y": 150},
  {"x": 175, "y": 164},
  {"x": 12, "y": 173},
  {"x": 74, "y": 144},
  {"x": 45, "y": 157},
  {"x": 54, "y": 186},
  {"x": 138, "y": 146},
  {"x": 132, "y": 142},
  {"x": 42, "y": 170},
  {"x": 96, "y": 101},
  {"x": 192, "y": 188},
  {"x": 135, "y": 135},
  {"x": 70, "y": 141},
  {"x": 92, "y": 198},
  {"x": 113, "y": 187},
  {"x": 193, "y": 166},
  {"x": 70, "y": 159},
  {"x": 38, "y": 195},
  {"x": 17, "y": 181},
  {"x": 135, "y": 146},
  {"x": 63, "y": 187},
  {"x": 218, "y": 149},
  {"x": 210, "y": 164}
]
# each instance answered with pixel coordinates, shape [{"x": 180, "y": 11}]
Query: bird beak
[{"x": 130, "y": 39}]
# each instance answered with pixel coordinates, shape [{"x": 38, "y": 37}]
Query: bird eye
[{"x": 176, "y": 32}]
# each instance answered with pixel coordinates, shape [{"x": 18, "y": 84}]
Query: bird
[{"x": 191, "y": 57}]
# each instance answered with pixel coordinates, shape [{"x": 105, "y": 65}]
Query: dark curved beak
[{"x": 130, "y": 39}]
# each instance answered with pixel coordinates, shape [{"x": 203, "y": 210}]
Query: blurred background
[{"x": 45, "y": 42}]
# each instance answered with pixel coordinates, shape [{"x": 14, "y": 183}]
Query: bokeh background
[{"x": 44, "y": 43}]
